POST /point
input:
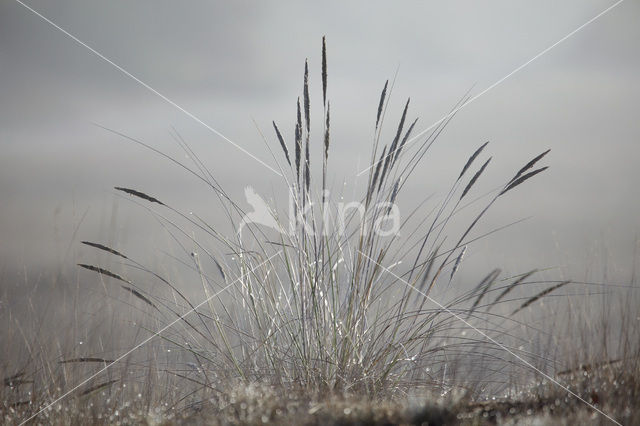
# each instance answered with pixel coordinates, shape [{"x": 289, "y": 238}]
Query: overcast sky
[{"x": 230, "y": 63}]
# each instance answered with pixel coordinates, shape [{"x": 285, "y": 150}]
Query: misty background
[{"x": 234, "y": 63}]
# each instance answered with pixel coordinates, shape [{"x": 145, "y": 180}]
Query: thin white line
[
  {"x": 128, "y": 74},
  {"x": 157, "y": 333},
  {"x": 492, "y": 340},
  {"x": 413, "y": 139}
]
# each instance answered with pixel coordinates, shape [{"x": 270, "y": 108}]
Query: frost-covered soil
[{"x": 615, "y": 391}]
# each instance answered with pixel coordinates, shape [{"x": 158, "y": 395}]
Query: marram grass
[{"x": 318, "y": 310}]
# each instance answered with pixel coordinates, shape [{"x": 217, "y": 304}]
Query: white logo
[
  {"x": 385, "y": 216},
  {"x": 261, "y": 214}
]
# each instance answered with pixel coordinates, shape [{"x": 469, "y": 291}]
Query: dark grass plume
[
  {"x": 475, "y": 178},
  {"x": 105, "y": 248},
  {"x": 396, "y": 139},
  {"x": 513, "y": 285},
  {"x": 139, "y": 195},
  {"x": 97, "y": 387},
  {"x": 139, "y": 295},
  {"x": 394, "y": 145},
  {"x": 282, "y": 144},
  {"x": 529, "y": 165},
  {"x": 484, "y": 287},
  {"x": 522, "y": 179},
  {"x": 427, "y": 272},
  {"x": 104, "y": 272},
  {"x": 86, "y": 359},
  {"x": 16, "y": 380},
  {"x": 404, "y": 140},
  {"x": 8, "y": 380},
  {"x": 472, "y": 158},
  {"x": 381, "y": 103},
  {"x": 307, "y": 116},
  {"x": 540, "y": 296},
  {"x": 324, "y": 71}
]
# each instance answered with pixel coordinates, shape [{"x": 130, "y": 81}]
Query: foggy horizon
[{"x": 234, "y": 63}]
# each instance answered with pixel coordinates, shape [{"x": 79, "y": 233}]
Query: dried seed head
[
  {"x": 474, "y": 178},
  {"x": 104, "y": 248},
  {"x": 513, "y": 285},
  {"x": 307, "y": 117},
  {"x": 472, "y": 158},
  {"x": 324, "y": 71},
  {"x": 521, "y": 179},
  {"x": 282, "y": 144},
  {"x": 381, "y": 103},
  {"x": 103, "y": 271},
  {"x": 404, "y": 140},
  {"x": 540, "y": 295},
  {"x": 529, "y": 165},
  {"x": 139, "y": 195}
]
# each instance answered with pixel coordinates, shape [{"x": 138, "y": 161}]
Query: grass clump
[{"x": 319, "y": 309}]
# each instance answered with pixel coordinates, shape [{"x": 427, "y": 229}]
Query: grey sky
[{"x": 231, "y": 62}]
